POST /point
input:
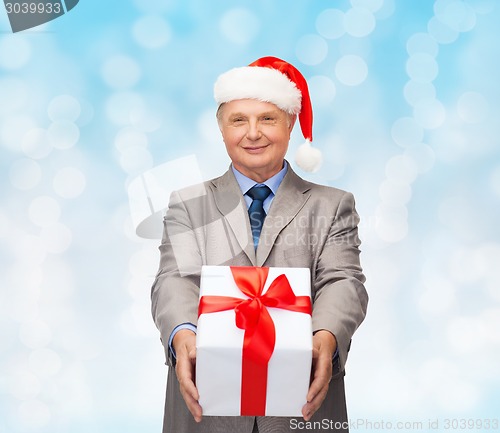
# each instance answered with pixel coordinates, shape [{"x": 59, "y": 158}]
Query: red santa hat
[{"x": 270, "y": 79}]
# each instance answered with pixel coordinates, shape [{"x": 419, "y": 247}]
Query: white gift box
[{"x": 219, "y": 345}]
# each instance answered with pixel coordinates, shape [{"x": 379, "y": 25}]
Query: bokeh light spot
[
  {"x": 422, "y": 67},
  {"x": 69, "y": 182},
  {"x": 64, "y": 107},
  {"x": 330, "y": 23},
  {"x": 63, "y": 134},
  {"x": 240, "y": 25},
  {"x": 429, "y": 113},
  {"x": 359, "y": 22},
  {"x": 351, "y": 70},
  {"x": 422, "y": 43},
  {"x": 387, "y": 10},
  {"x": 406, "y": 132},
  {"x": 311, "y": 49},
  {"x": 36, "y": 143},
  {"x": 415, "y": 91},
  {"x": 441, "y": 32},
  {"x": 457, "y": 15},
  {"x": 401, "y": 168}
]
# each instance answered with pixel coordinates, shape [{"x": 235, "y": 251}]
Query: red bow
[{"x": 260, "y": 335}]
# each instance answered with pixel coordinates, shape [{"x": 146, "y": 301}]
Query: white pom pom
[{"x": 308, "y": 158}]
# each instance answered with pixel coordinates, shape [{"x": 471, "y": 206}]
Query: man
[{"x": 217, "y": 223}]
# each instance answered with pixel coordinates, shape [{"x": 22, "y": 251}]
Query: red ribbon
[{"x": 260, "y": 336}]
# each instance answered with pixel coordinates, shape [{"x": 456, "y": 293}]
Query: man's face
[{"x": 256, "y": 135}]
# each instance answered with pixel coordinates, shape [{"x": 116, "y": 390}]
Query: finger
[
  {"x": 319, "y": 382},
  {"x": 312, "y": 406},
  {"x": 318, "y": 390},
  {"x": 190, "y": 395},
  {"x": 185, "y": 369},
  {"x": 193, "y": 406},
  {"x": 322, "y": 374},
  {"x": 185, "y": 375},
  {"x": 189, "y": 388}
]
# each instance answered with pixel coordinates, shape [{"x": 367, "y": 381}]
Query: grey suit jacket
[{"x": 308, "y": 225}]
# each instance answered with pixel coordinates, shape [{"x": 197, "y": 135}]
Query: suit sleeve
[
  {"x": 340, "y": 299},
  {"x": 175, "y": 291}
]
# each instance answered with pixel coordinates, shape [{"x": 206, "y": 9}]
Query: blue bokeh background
[{"x": 405, "y": 97}]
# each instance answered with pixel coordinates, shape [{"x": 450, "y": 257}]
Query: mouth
[{"x": 255, "y": 149}]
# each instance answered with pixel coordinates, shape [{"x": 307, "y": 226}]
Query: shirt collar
[{"x": 273, "y": 183}]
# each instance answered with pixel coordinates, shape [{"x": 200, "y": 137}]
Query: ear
[
  {"x": 221, "y": 129},
  {"x": 292, "y": 119}
]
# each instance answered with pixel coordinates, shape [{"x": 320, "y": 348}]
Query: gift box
[{"x": 254, "y": 341}]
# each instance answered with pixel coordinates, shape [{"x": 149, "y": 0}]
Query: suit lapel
[
  {"x": 291, "y": 196},
  {"x": 230, "y": 202}
]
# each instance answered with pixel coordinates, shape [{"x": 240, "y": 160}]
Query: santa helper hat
[{"x": 270, "y": 79}]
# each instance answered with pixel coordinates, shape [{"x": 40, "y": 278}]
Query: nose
[{"x": 253, "y": 131}]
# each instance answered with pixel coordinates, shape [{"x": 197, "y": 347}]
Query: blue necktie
[{"x": 256, "y": 210}]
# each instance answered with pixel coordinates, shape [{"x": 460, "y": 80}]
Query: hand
[
  {"x": 184, "y": 344},
  {"x": 324, "y": 346}
]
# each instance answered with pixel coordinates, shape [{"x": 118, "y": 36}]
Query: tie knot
[{"x": 259, "y": 192}]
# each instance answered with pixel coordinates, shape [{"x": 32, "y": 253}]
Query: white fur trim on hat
[{"x": 261, "y": 83}]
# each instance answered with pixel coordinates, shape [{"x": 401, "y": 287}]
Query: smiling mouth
[{"x": 255, "y": 149}]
